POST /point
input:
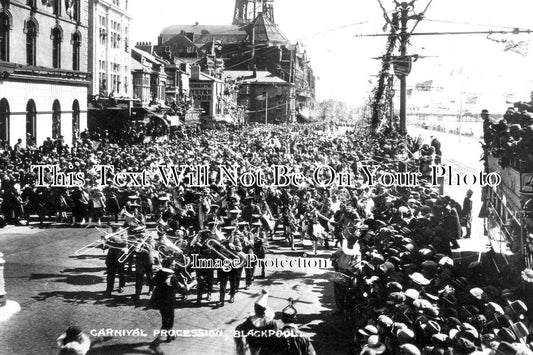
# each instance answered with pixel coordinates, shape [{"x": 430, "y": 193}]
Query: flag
[
  {"x": 457, "y": 72},
  {"x": 424, "y": 86},
  {"x": 261, "y": 97},
  {"x": 520, "y": 47},
  {"x": 472, "y": 100}
]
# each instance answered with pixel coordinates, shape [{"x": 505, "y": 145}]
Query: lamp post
[
  {"x": 2, "y": 282},
  {"x": 7, "y": 308}
]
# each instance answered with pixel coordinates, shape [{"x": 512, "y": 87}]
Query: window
[
  {"x": 126, "y": 39},
  {"x": 76, "y": 47},
  {"x": 56, "y": 7},
  {"x": 31, "y": 41},
  {"x": 126, "y": 80},
  {"x": 115, "y": 34},
  {"x": 4, "y": 36},
  {"x": 102, "y": 77},
  {"x": 102, "y": 29},
  {"x": 56, "y": 48},
  {"x": 4, "y": 123},
  {"x": 72, "y": 9},
  {"x": 116, "y": 2},
  {"x": 56, "y": 120},
  {"x": 75, "y": 119},
  {"x": 31, "y": 120},
  {"x": 115, "y": 78}
]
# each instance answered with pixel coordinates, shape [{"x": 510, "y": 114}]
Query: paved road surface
[{"x": 56, "y": 290}]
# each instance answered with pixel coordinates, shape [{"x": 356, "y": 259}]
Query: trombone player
[
  {"x": 204, "y": 276},
  {"x": 232, "y": 274},
  {"x": 144, "y": 261},
  {"x": 117, "y": 249}
]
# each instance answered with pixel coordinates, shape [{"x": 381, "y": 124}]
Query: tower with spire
[{"x": 247, "y": 10}]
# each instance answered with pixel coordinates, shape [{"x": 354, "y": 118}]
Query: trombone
[
  {"x": 100, "y": 242},
  {"x": 136, "y": 247},
  {"x": 84, "y": 250}
]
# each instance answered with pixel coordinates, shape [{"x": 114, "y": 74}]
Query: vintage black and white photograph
[{"x": 266, "y": 177}]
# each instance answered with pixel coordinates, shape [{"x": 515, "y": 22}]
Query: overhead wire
[
  {"x": 467, "y": 23},
  {"x": 421, "y": 15}
]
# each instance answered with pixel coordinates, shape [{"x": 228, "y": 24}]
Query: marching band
[{"x": 225, "y": 248}]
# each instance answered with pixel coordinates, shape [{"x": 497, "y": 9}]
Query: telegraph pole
[{"x": 404, "y": 37}]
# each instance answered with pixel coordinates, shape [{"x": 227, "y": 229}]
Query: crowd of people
[
  {"x": 395, "y": 279},
  {"x": 511, "y": 138},
  {"x": 405, "y": 294}
]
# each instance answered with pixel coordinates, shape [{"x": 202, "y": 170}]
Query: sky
[{"x": 459, "y": 65}]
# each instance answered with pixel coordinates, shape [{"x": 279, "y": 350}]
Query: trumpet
[{"x": 224, "y": 252}]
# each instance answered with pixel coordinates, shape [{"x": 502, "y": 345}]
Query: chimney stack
[{"x": 145, "y": 46}]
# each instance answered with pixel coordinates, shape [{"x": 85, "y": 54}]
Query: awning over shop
[
  {"x": 302, "y": 118},
  {"x": 159, "y": 115},
  {"x": 175, "y": 121},
  {"x": 224, "y": 118}
]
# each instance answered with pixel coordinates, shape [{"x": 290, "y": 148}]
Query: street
[
  {"x": 464, "y": 158},
  {"x": 56, "y": 289}
]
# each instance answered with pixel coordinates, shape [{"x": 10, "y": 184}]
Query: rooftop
[
  {"x": 206, "y": 33},
  {"x": 247, "y": 76},
  {"x": 268, "y": 32}
]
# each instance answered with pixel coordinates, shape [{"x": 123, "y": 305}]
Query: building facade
[
  {"x": 265, "y": 97},
  {"x": 207, "y": 94},
  {"x": 254, "y": 41},
  {"x": 109, "y": 53},
  {"x": 44, "y": 70},
  {"x": 149, "y": 76}
]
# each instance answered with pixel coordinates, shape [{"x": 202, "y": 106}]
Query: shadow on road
[
  {"x": 78, "y": 280},
  {"x": 85, "y": 297},
  {"x": 120, "y": 349}
]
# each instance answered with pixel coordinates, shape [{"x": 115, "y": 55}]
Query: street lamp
[{"x": 7, "y": 308}]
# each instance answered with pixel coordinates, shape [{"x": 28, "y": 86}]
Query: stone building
[
  {"x": 43, "y": 70},
  {"x": 109, "y": 53},
  {"x": 254, "y": 41},
  {"x": 149, "y": 76},
  {"x": 265, "y": 97}
]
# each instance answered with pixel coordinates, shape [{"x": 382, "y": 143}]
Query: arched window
[
  {"x": 56, "y": 47},
  {"x": 76, "y": 46},
  {"x": 31, "y": 122},
  {"x": 4, "y": 36},
  {"x": 56, "y": 120},
  {"x": 31, "y": 42},
  {"x": 4, "y": 123},
  {"x": 75, "y": 119}
]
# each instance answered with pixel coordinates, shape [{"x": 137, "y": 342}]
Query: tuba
[
  {"x": 224, "y": 253},
  {"x": 169, "y": 250}
]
